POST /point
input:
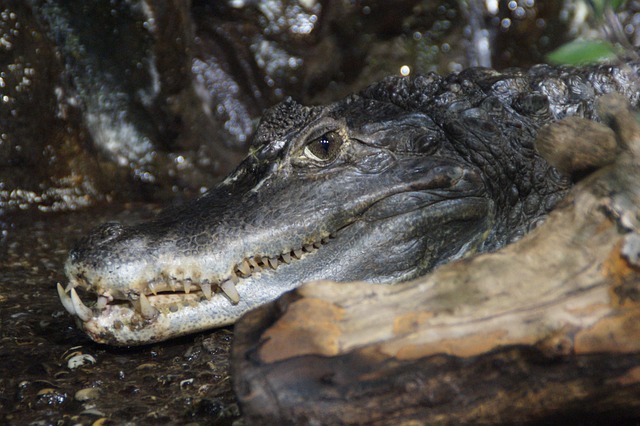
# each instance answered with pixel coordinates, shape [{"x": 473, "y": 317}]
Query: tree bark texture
[{"x": 546, "y": 329}]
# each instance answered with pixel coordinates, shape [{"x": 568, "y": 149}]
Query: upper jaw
[{"x": 182, "y": 283}]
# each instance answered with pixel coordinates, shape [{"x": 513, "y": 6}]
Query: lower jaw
[
  {"x": 121, "y": 325},
  {"x": 181, "y": 314}
]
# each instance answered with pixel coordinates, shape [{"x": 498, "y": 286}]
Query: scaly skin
[{"x": 382, "y": 186}]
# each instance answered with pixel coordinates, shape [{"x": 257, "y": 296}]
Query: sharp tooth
[
  {"x": 234, "y": 278},
  {"x": 273, "y": 262},
  {"x": 146, "y": 309},
  {"x": 286, "y": 257},
  {"x": 172, "y": 283},
  {"x": 245, "y": 268},
  {"x": 66, "y": 300},
  {"x": 253, "y": 262},
  {"x": 102, "y": 302},
  {"x": 297, "y": 253},
  {"x": 82, "y": 311},
  {"x": 186, "y": 285},
  {"x": 69, "y": 287},
  {"x": 152, "y": 288},
  {"x": 206, "y": 289},
  {"x": 229, "y": 289},
  {"x": 317, "y": 244},
  {"x": 308, "y": 248}
]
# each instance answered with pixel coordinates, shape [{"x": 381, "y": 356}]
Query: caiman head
[{"x": 365, "y": 189}]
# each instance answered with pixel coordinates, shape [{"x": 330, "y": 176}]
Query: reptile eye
[{"x": 325, "y": 148}]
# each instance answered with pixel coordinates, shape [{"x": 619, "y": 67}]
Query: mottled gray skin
[{"x": 429, "y": 170}]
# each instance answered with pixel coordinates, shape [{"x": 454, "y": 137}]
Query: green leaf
[
  {"x": 580, "y": 52},
  {"x": 597, "y": 6},
  {"x": 617, "y": 4}
]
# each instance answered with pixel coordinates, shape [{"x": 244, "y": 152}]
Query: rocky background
[{"x": 153, "y": 100}]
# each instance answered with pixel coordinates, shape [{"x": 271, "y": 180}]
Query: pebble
[
  {"x": 87, "y": 394},
  {"x": 80, "y": 360}
]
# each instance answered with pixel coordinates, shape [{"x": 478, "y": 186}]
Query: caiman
[{"x": 382, "y": 186}]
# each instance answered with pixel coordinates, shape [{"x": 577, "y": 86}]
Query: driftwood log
[{"x": 546, "y": 329}]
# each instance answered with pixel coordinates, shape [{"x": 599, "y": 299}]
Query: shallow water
[{"x": 182, "y": 381}]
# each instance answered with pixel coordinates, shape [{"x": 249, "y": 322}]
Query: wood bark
[{"x": 546, "y": 329}]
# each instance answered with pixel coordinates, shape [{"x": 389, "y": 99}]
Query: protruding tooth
[
  {"x": 173, "y": 283},
  {"x": 229, "y": 289},
  {"x": 273, "y": 262},
  {"x": 152, "y": 288},
  {"x": 286, "y": 258},
  {"x": 254, "y": 264},
  {"x": 317, "y": 244},
  {"x": 102, "y": 302},
  {"x": 244, "y": 267},
  {"x": 234, "y": 278},
  {"x": 186, "y": 285},
  {"x": 146, "y": 309},
  {"x": 66, "y": 300},
  {"x": 206, "y": 290},
  {"x": 82, "y": 311},
  {"x": 69, "y": 287},
  {"x": 308, "y": 248},
  {"x": 297, "y": 253}
]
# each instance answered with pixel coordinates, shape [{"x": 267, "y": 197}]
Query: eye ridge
[{"x": 325, "y": 148}]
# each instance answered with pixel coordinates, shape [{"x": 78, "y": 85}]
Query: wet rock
[
  {"x": 631, "y": 249},
  {"x": 129, "y": 67},
  {"x": 87, "y": 394},
  {"x": 541, "y": 26},
  {"x": 151, "y": 100},
  {"x": 79, "y": 360},
  {"x": 42, "y": 161},
  {"x": 51, "y": 397},
  {"x": 147, "y": 99}
]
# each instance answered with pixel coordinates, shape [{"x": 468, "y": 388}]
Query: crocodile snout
[{"x": 98, "y": 237}]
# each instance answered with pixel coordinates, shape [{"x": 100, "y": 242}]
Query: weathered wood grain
[{"x": 547, "y": 328}]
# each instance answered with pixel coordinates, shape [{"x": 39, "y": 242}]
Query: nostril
[
  {"x": 74, "y": 255},
  {"x": 106, "y": 232}
]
